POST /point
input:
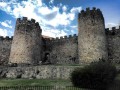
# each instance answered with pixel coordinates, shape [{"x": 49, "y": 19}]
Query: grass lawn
[
  {"x": 50, "y": 82},
  {"x": 40, "y": 82}
]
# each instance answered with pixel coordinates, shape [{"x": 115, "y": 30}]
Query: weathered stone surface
[
  {"x": 113, "y": 37},
  {"x": 29, "y": 47},
  {"x": 39, "y": 72},
  {"x": 63, "y": 50},
  {"x": 14, "y": 73},
  {"x": 5, "y": 46},
  {"x": 26, "y": 45},
  {"x": 92, "y": 43}
]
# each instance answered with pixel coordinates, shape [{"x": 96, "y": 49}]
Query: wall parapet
[
  {"x": 6, "y": 38},
  {"x": 90, "y": 12},
  {"x": 112, "y": 31},
  {"x": 62, "y": 38},
  {"x": 25, "y": 21}
]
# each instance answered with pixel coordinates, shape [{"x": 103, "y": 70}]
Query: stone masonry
[
  {"x": 93, "y": 42},
  {"x": 26, "y": 44}
]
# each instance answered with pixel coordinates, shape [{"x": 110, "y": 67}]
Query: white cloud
[
  {"x": 64, "y": 8},
  {"x": 74, "y": 26},
  {"x": 3, "y": 32},
  {"x": 53, "y": 32},
  {"x": 110, "y": 25},
  {"x": 46, "y": 16},
  {"x": 6, "y": 23},
  {"x": 46, "y": 10},
  {"x": 51, "y": 1},
  {"x": 60, "y": 19},
  {"x": 76, "y": 9},
  {"x": 3, "y": 4}
]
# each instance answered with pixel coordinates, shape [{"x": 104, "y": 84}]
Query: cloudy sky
[{"x": 56, "y": 17}]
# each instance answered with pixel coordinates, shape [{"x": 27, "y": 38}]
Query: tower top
[
  {"x": 90, "y": 12},
  {"x": 28, "y": 23}
]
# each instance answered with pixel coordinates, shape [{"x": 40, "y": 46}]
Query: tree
[{"x": 97, "y": 75}]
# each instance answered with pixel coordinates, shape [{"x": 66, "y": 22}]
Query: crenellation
[
  {"x": 94, "y": 8},
  {"x": 75, "y": 35},
  {"x": 33, "y": 20},
  {"x": 57, "y": 38},
  {"x": 7, "y": 38},
  {"x": 18, "y": 20},
  {"x": 61, "y": 37},
  {"x": 53, "y": 39},
  {"x": 82, "y": 11},
  {"x": 1, "y": 37},
  {"x": 70, "y": 36},
  {"x": 113, "y": 28},
  {"x": 29, "y": 22},
  {"x": 98, "y": 10},
  {"x": 106, "y": 30},
  {"x": 11, "y": 37},
  {"x": 37, "y": 24},
  {"x": 88, "y": 9},
  {"x": 94, "y": 13},
  {"x": 24, "y": 18},
  {"x": 65, "y": 37},
  {"x": 112, "y": 31}
]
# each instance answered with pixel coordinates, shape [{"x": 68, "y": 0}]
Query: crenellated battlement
[
  {"x": 6, "y": 38},
  {"x": 92, "y": 43},
  {"x": 63, "y": 38},
  {"x": 112, "y": 31},
  {"x": 90, "y": 13},
  {"x": 28, "y": 36},
  {"x": 25, "y": 21}
]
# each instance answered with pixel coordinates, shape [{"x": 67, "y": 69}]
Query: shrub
[{"x": 97, "y": 75}]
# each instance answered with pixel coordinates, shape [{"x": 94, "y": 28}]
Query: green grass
[{"x": 40, "y": 82}]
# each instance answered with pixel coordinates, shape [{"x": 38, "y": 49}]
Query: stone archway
[{"x": 46, "y": 59}]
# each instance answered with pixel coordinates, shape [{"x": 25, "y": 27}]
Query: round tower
[
  {"x": 92, "y": 43},
  {"x": 26, "y": 44}
]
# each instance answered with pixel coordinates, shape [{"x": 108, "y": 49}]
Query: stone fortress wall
[
  {"x": 52, "y": 46},
  {"x": 63, "y": 50},
  {"x": 26, "y": 44},
  {"x": 5, "y": 47},
  {"x": 113, "y": 39},
  {"x": 92, "y": 43}
]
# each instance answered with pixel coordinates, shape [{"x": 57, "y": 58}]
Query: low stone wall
[{"x": 38, "y": 72}]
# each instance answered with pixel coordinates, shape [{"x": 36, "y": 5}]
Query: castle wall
[
  {"x": 26, "y": 45},
  {"x": 63, "y": 50},
  {"x": 113, "y": 37},
  {"x": 92, "y": 43},
  {"x": 5, "y": 46},
  {"x": 38, "y": 72}
]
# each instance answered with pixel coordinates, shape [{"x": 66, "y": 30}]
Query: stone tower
[
  {"x": 26, "y": 44},
  {"x": 92, "y": 44}
]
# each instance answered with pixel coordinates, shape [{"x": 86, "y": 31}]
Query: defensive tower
[
  {"x": 26, "y": 48},
  {"x": 92, "y": 43}
]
